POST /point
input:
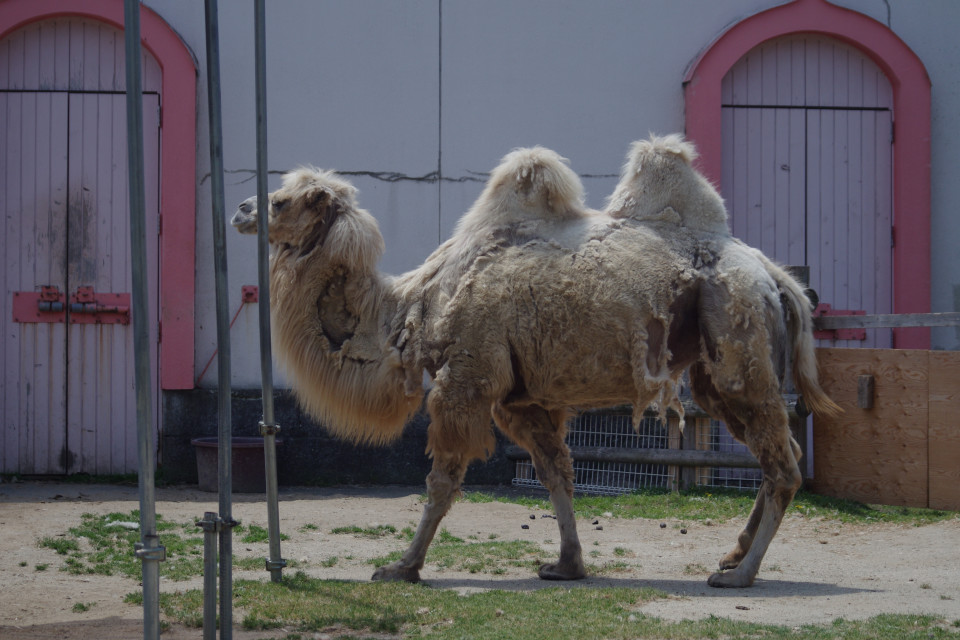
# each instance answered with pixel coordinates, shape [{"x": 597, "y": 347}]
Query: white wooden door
[
  {"x": 807, "y": 143},
  {"x": 33, "y": 201},
  {"x": 68, "y": 402}
]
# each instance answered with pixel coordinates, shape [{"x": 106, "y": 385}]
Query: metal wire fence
[
  {"x": 609, "y": 429},
  {"x": 614, "y": 429},
  {"x": 714, "y": 436}
]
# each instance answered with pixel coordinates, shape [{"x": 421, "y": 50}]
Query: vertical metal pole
[
  {"x": 268, "y": 427},
  {"x": 224, "y": 422},
  {"x": 149, "y": 549},
  {"x": 210, "y": 525}
]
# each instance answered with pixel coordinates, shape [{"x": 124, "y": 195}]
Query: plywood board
[
  {"x": 944, "y": 431},
  {"x": 877, "y": 455}
]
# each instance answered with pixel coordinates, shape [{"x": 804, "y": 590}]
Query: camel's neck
[
  {"x": 332, "y": 331},
  {"x": 348, "y": 310}
]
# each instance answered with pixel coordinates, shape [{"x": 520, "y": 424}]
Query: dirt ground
[{"x": 815, "y": 571}]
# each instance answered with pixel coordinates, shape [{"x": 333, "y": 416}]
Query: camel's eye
[{"x": 279, "y": 204}]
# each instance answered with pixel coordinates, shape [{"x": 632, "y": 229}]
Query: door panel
[
  {"x": 849, "y": 219},
  {"x": 33, "y": 199},
  {"x": 812, "y": 187},
  {"x": 101, "y": 426},
  {"x": 764, "y": 180}
]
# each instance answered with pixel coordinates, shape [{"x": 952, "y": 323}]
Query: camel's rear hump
[{"x": 659, "y": 184}]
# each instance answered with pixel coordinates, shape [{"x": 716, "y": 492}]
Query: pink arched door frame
[
  {"x": 177, "y": 166},
  {"x": 911, "y": 112}
]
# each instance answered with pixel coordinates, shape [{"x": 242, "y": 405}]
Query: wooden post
[
  {"x": 675, "y": 441},
  {"x": 688, "y": 477}
]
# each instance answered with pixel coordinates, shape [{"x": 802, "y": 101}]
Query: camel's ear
[
  {"x": 326, "y": 209},
  {"x": 318, "y": 200}
]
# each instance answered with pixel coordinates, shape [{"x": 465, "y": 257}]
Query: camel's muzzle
[{"x": 245, "y": 219}]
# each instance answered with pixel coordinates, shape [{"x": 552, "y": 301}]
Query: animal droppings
[
  {"x": 524, "y": 526},
  {"x": 533, "y": 517},
  {"x": 600, "y": 528},
  {"x": 683, "y": 531},
  {"x": 663, "y": 525},
  {"x": 595, "y": 522}
]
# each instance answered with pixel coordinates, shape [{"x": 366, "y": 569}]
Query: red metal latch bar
[
  {"x": 89, "y": 307},
  {"x": 824, "y": 309},
  {"x": 47, "y": 305}
]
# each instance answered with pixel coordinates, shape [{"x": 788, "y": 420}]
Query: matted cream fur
[{"x": 538, "y": 306}]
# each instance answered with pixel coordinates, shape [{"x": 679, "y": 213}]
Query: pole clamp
[
  {"x": 276, "y": 565},
  {"x": 269, "y": 429},
  {"x": 155, "y": 554},
  {"x": 212, "y": 523}
]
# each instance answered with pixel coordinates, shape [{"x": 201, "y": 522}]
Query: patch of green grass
[
  {"x": 302, "y": 605},
  {"x": 450, "y": 552},
  {"x": 80, "y": 607},
  {"x": 256, "y": 533},
  {"x": 41, "y": 567},
  {"x": 377, "y": 531},
  {"x": 104, "y": 545},
  {"x": 716, "y": 504},
  {"x": 61, "y": 545},
  {"x": 607, "y": 568}
]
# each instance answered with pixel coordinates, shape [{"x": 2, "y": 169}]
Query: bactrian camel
[{"x": 534, "y": 308}]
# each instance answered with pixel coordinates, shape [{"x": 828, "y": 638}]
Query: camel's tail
[{"x": 800, "y": 330}]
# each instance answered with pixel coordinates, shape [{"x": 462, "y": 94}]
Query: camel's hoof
[
  {"x": 396, "y": 573},
  {"x": 558, "y": 571},
  {"x": 730, "y": 580}
]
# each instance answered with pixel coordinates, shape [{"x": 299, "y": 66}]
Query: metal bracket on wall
[
  {"x": 47, "y": 305},
  {"x": 824, "y": 309}
]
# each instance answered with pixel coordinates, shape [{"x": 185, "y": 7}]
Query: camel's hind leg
[
  {"x": 541, "y": 433},
  {"x": 745, "y": 539},
  {"x": 443, "y": 486},
  {"x": 768, "y": 437},
  {"x": 709, "y": 400}
]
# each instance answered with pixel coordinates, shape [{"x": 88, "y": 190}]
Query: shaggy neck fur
[{"x": 332, "y": 314}]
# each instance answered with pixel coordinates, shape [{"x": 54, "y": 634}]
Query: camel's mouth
[{"x": 245, "y": 219}]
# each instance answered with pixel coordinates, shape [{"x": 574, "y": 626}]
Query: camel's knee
[
  {"x": 446, "y": 476},
  {"x": 797, "y": 451}
]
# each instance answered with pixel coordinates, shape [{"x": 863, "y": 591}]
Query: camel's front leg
[
  {"x": 541, "y": 433},
  {"x": 443, "y": 485}
]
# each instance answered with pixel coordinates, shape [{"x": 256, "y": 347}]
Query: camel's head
[{"x": 313, "y": 209}]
